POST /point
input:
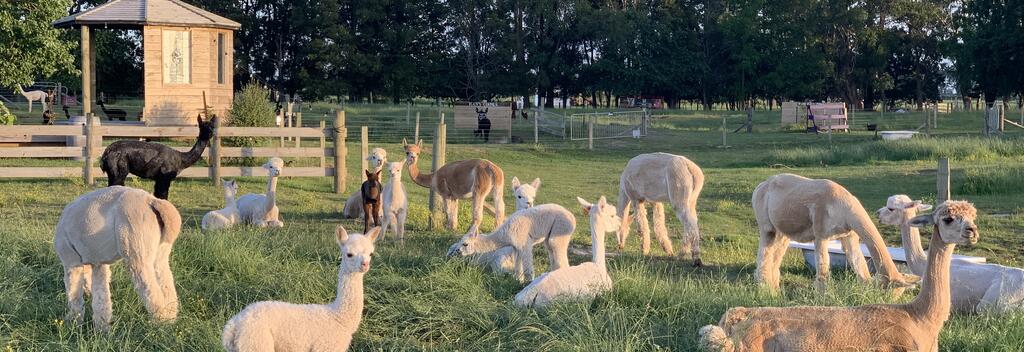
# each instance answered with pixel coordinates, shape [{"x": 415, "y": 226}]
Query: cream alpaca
[
  {"x": 548, "y": 223},
  {"x": 525, "y": 193},
  {"x": 788, "y": 206},
  {"x": 473, "y": 178},
  {"x": 282, "y": 326},
  {"x": 502, "y": 260},
  {"x": 395, "y": 202},
  {"x": 914, "y": 326},
  {"x": 658, "y": 178},
  {"x": 354, "y": 204},
  {"x": 33, "y": 96},
  {"x": 228, "y": 216},
  {"x": 584, "y": 281},
  {"x": 261, "y": 209},
  {"x": 975, "y": 287},
  {"x": 113, "y": 223}
]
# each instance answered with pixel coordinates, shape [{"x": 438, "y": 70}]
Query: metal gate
[{"x": 605, "y": 125}]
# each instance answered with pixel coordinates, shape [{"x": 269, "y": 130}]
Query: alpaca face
[
  {"x": 356, "y": 249},
  {"x": 525, "y": 193},
  {"x": 467, "y": 245},
  {"x": 377, "y": 158},
  {"x": 230, "y": 188},
  {"x": 206, "y": 128},
  {"x": 899, "y": 208},
  {"x": 395, "y": 170},
  {"x": 274, "y": 166},
  {"x": 954, "y": 221},
  {"x": 412, "y": 151},
  {"x": 605, "y": 215}
]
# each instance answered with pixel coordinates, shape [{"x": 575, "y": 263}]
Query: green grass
[{"x": 418, "y": 300}]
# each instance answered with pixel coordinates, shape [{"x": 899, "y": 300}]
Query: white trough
[
  {"x": 897, "y": 135},
  {"x": 838, "y": 258}
]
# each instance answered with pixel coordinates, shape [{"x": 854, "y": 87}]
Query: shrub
[
  {"x": 251, "y": 108},
  {"x": 6, "y": 117}
]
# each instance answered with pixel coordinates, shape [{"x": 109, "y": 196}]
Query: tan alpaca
[
  {"x": 659, "y": 178},
  {"x": 914, "y": 326},
  {"x": 472, "y": 178},
  {"x": 794, "y": 207}
]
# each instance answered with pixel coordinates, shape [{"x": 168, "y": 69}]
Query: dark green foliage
[{"x": 251, "y": 108}]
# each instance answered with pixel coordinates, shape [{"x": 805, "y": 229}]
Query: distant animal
[
  {"x": 636, "y": 133},
  {"x": 371, "y": 191},
  {"x": 261, "y": 209},
  {"x": 228, "y": 216},
  {"x": 154, "y": 161},
  {"x": 33, "y": 96},
  {"x": 113, "y": 113},
  {"x": 354, "y": 204},
  {"x": 483, "y": 125},
  {"x": 395, "y": 202},
  {"x": 48, "y": 117},
  {"x": 524, "y": 114}
]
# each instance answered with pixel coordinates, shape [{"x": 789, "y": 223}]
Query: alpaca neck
[
  {"x": 597, "y": 232},
  {"x": 488, "y": 243},
  {"x": 349, "y": 302},
  {"x": 229, "y": 201},
  {"x": 271, "y": 192},
  {"x": 193, "y": 155},
  {"x": 424, "y": 180},
  {"x": 932, "y": 305},
  {"x": 868, "y": 233},
  {"x": 912, "y": 247}
]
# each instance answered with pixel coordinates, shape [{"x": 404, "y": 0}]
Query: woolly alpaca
[
  {"x": 281, "y": 326},
  {"x": 789, "y": 206},
  {"x": 975, "y": 287},
  {"x": 458, "y": 180},
  {"x": 658, "y": 178},
  {"x": 914, "y": 326},
  {"x": 354, "y": 204},
  {"x": 371, "y": 190},
  {"x": 261, "y": 209},
  {"x": 548, "y": 223},
  {"x": 153, "y": 161},
  {"x": 228, "y": 216},
  {"x": 525, "y": 192},
  {"x": 502, "y": 260},
  {"x": 33, "y": 96},
  {"x": 584, "y": 281},
  {"x": 396, "y": 202},
  {"x": 109, "y": 224}
]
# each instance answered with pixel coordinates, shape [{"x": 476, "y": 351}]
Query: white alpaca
[
  {"x": 113, "y": 223},
  {"x": 579, "y": 282},
  {"x": 282, "y": 326},
  {"x": 33, "y": 96},
  {"x": 548, "y": 223},
  {"x": 261, "y": 209},
  {"x": 525, "y": 192},
  {"x": 354, "y": 204},
  {"x": 975, "y": 287},
  {"x": 228, "y": 216},
  {"x": 395, "y": 202}
]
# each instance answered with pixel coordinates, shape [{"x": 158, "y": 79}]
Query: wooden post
[
  {"x": 298, "y": 123},
  {"x": 364, "y": 150},
  {"x": 87, "y": 73},
  {"x": 215, "y": 156},
  {"x": 724, "y": 144},
  {"x": 339, "y": 151},
  {"x": 323, "y": 145},
  {"x": 590, "y": 133},
  {"x": 90, "y": 149},
  {"x": 942, "y": 181},
  {"x": 440, "y": 144},
  {"x": 416, "y": 134},
  {"x": 408, "y": 111},
  {"x": 536, "y": 127},
  {"x": 750, "y": 119}
]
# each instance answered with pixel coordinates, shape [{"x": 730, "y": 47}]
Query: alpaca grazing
[
  {"x": 579, "y": 282},
  {"x": 525, "y": 192},
  {"x": 914, "y": 326},
  {"x": 261, "y": 209},
  {"x": 154, "y": 161},
  {"x": 354, "y": 204},
  {"x": 371, "y": 190},
  {"x": 502, "y": 260},
  {"x": 281, "y": 326},
  {"x": 109, "y": 224},
  {"x": 788, "y": 206},
  {"x": 659, "y": 178},
  {"x": 33, "y": 96},
  {"x": 975, "y": 287},
  {"x": 396, "y": 202},
  {"x": 550, "y": 224},
  {"x": 472, "y": 178},
  {"x": 228, "y": 216}
]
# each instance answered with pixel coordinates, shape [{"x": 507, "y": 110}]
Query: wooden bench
[
  {"x": 827, "y": 116},
  {"x": 838, "y": 258}
]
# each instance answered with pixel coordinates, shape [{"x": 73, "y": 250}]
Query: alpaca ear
[
  {"x": 922, "y": 206},
  {"x": 601, "y": 203},
  {"x": 341, "y": 236},
  {"x": 586, "y": 205},
  {"x": 373, "y": 233},
  {"x": 378, "y": 173},
  {"x": 199, "y": 119},
  {"x": 535, "y": 184},
  {"x": 515, "y": 183},
  {"x": 404, "y": 142},
  {"x": 922, "y": 220},
  {"x": 420, "y": 143},
  {"x": 368, "y": 174}
]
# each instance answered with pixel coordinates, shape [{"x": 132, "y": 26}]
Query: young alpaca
[
  {"x": 281, "y": 326},
  {"x": 261, "y": 209},
  {"x": 975, "y": 287},
  {"x": 584, "y": 281},
  {"x": 33, "y": 96},
  {"x": 548, "y": 223},
  {"x": 502, "y": 260},
  {"x": 788, "y": 206},
  {"x": 109, "y": 224},
  {"x": 354, "y": 204},
  {"x": 227, "y": 217},
  {"x": 914, "y": 326},
  {"x": 153, "y": 161},
  {"x": 525, "y": 192},
  {"x": 396, "y": 202},
  {"x": 371, "y": 190}
]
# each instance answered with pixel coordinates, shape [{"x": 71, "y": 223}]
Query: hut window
[
  {"x": 177, "y": 57},
  {"x": 220, "y": 58}
]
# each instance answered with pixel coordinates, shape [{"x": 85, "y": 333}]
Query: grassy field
[{"x": 418, "y": 300}]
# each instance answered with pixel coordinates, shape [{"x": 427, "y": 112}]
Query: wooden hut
[{"x": 187, "y": 52}]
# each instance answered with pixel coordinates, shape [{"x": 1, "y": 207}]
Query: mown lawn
[{"x": 418, "y": 300}]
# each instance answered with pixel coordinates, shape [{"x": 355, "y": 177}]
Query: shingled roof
[{"x": 137, "y": 13}]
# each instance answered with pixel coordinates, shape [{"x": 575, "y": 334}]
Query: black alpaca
[
  {"x": 153, "y": 161},
  {"x": 113, "y": 113},
  {"x": 483, "y": 125},
  {"x": 371, "y": 199}
]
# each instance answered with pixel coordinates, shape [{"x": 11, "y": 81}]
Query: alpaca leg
[
  {"x": 74, "y": 286},
  {"x": 824, "y": 262},
  {"x": 400, "y": 225},
  {"x": 452, "y": 205},
  {"x": 146, "y": 285},
  {"x": 625, "y": 220},
  {"x": 478, "y": 210},
  {"x": 645, "y": 228},
  {"x": 769, "y": 254},
  {"x": 165, "y": 277},
  {"x": 389, "y": 218},
  {"x": 376, "y": 214},
  {"x": 518, "y": 264},
  {"x": 367, "y": 214},
  {"x": 661, "y": 230},
  {"x": 855, "y": 257},
  {"x": 102, "y": 308},
  {"x": 691, "y": 233},
  {"x": 498, "y": 193},
  {"x": 527, "y": 258},
  {"x": 558, "y": 252},
  {"x": 162, "y": 188}
]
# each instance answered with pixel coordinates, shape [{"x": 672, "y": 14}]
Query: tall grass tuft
[
  {"x": 990, "y": 180},
  {"x": 959, "y": 148}
]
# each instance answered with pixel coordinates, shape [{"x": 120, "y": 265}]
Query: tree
[{"x": 32, "y": 47}]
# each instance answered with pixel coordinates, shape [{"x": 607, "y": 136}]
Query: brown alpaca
[
  {"x": 459, "y": 180},
  {"x": 914, "y": 326},
  {"x": 370, "y": 192}
]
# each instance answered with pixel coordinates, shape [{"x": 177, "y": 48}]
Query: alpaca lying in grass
[
  {"x": 261, "y": 209},
  {"x": 976, "y": 287},
  {"x": 914, "y": 326},
  {"x": 282, "y": 326},
  {"x": 584, "y": 281},
  {"x": 228, "y": 216},
  {"x": 548, "y": 223},
  {"x": 113, "y": 223},
  {"x": 353, "y": 208}
]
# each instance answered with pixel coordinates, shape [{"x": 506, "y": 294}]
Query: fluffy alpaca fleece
[
  {"x": 502, "y": 260},
  {"x": 396, "y": 202},
  {"x": 282, "y": 326},
  {"x": 975, "y": 287},
  {"x": 914, "y": 326},
  {"x": 228, "y": 216},
  {"x": 353, "y": 208},
  {"x": 525, "y": 192},
  {"x": 261, "y": 209},
  {"x": 153, "y": 161},
  {"x": 788, "y": 206},
  {"x": 548, "y": 223},
  {"x": 578, "y": 282},
  {"x": 659, "y": 178},
  {"x": 109, "y": 224}
]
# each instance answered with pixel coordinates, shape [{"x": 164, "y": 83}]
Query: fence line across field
[{"x": 618, "y": 124}]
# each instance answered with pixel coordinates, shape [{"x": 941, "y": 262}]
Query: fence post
[
  {"x": 440, "y": 144},
  {"x": 323, "y": 145},
  {"x": 364, "y": 150},
  {"x": 298, "y": 123},
  {"x": 942, "y": 181},
  {"x": 724, "y": 144},
  {"x": 215, "y": 156},
  {"x": 590, "y": 133},
  {"x": 535, "y": 128},
  {"x": 750, "y": 119},
  {"x": 90, "y": 148},
  {"x": 339, "y": 151},
  {"x": 408, "y": 110},
  {"x": 416, "y": 134}
]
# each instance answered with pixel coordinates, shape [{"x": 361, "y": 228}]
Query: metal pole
[
  {"x": 590, "y": 133},
  {"x": 942, "y": 181},
  {"x": 440, "y": 142}
]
